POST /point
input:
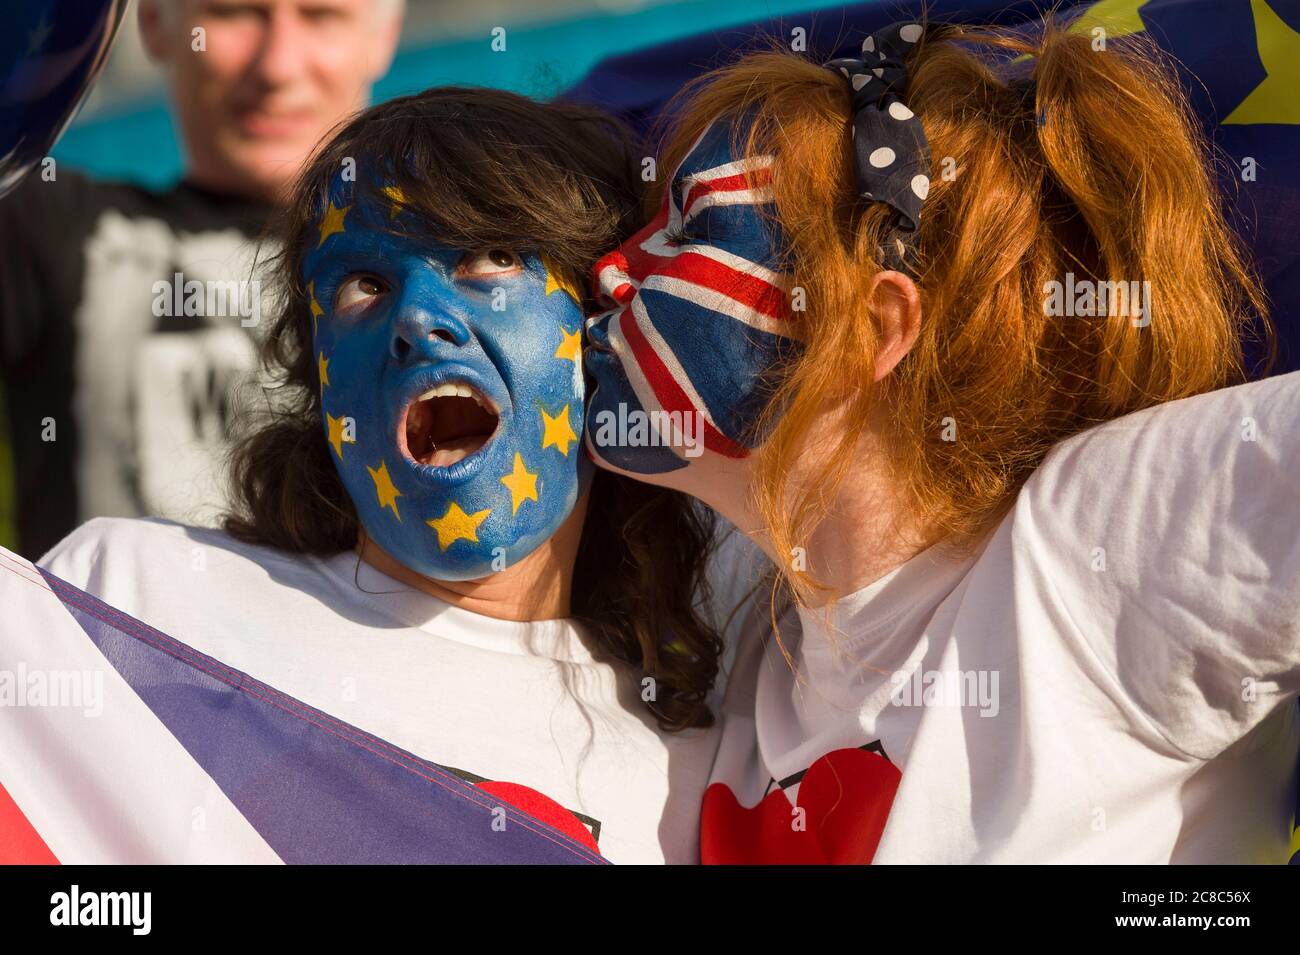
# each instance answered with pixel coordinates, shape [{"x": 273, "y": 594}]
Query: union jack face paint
[{"x": 698, "y": 317}]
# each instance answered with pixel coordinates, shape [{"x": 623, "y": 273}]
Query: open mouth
[{"x": 448, "y": 423}]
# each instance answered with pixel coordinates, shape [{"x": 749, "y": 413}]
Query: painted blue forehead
[
  {"x": 717, "y": 146},
  {"x": 747, "y": 229},
  {"x": 359, "y": 218}
]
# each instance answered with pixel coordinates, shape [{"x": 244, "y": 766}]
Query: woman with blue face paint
[
  {"x": 424, "y": 549},
  {"x": 930, "y": 312}
]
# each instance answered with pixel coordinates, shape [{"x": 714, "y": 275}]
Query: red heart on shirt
[{"x": 846, "y": 796}]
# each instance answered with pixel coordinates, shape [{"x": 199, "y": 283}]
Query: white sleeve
[
  {"x": 79, "y": 557},
  {"x": 1172, "y": 538},
  {"x": 131, "y": 563}
]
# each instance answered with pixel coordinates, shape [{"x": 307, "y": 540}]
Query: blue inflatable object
[{"x": 50, "y": 54}]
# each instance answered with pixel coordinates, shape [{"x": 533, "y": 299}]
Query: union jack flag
[
  {"x": 119, "y": 744},
  {"x": 699, "y": 304}
]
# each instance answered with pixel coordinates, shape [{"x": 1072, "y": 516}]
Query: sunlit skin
[{"x": 273, "y": 79}]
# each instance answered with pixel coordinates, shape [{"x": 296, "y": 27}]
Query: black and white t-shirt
[{"x": 128, "y": 322}]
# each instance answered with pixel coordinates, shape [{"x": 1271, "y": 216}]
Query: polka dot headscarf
[{"x": 890, "y": 154}]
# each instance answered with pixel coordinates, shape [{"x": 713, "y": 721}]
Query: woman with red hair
[{"x": 942, "y": 328}]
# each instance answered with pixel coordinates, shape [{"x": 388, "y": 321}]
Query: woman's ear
[{"x": 896, "y": 305}]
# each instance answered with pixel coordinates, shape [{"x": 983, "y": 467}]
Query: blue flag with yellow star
[{"x": 1239, "y": 61}]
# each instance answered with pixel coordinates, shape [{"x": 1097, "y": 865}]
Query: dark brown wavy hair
[{"x": 482, "y": 168}]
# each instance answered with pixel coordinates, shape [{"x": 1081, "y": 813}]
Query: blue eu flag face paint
[{"x": 451, "y": 390}]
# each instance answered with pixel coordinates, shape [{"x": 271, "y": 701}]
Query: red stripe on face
[
  {"x": 619, "y": 294},
  {"x": 668, "y": 393},
  {"x": 749, "y": 290},
  {"x": 604, "y": 274},
  {"x": 739, "y": 182}
]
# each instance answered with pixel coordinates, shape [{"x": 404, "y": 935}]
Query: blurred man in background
[{"x": 129, "y": 318}]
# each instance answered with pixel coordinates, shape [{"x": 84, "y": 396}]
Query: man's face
[
  {"x": 258, "y": 83},
  {"x": 699, "y": 319},
  {"x": 451, "y": 392}
]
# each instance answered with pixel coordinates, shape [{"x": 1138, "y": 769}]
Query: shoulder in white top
[
  {"x": 1111, "y": 676},
  {"x": 536, "y": 704}
]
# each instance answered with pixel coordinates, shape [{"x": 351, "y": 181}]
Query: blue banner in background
[{"x": 1239, "y": 61}]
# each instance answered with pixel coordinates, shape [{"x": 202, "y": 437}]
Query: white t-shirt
[
  {"x": 1111, "y": 677},
  {"x": 526, "y": 703}
]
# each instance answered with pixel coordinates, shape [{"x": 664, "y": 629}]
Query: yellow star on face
[
  {"x": 331, "y": 222},
  {"x": 316, "y": 310},
  {"x": 571, "y": 346},
  {"x": 337, "y": 436},
  {"x": 560, "y": 284},
  {"x": 457, "y": 525},
  {"x": 324, "y": 364},
  {"x": 398, "y": 197},
  {"x": 1274, "y": 100},
  {"x": 557, "y": 431},
  {"x": 522, "y": 484},
  {"x": 385, "y": 492}
]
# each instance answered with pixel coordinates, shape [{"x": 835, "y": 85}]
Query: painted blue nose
[{"x": 421, "y": 335}]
